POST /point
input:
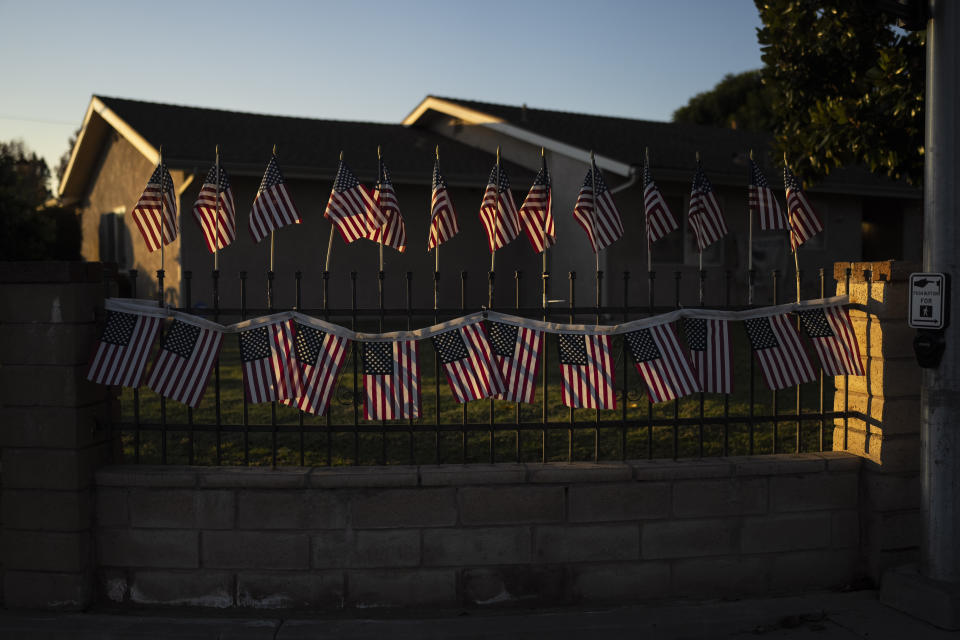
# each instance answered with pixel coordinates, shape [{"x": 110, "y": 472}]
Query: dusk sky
[{"x": 370, "y": 60}]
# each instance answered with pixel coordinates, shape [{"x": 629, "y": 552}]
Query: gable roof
[
  {"x": 673, "y": 145},
  {"x": 306, "y": 147}
]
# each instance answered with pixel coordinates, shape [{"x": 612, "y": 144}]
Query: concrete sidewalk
[{"x": 823, "y": 616}]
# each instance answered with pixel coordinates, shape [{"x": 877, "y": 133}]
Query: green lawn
[{"x": 398, "y": 444}]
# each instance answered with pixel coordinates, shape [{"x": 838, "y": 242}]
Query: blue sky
[{"x": 362, "y": 59}]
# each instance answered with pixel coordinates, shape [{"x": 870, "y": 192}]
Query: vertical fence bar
[
  {"x": 436, "y": 369},
  {"x": 773, "y": 399},
  {"x": 573, "y": 278},
  {"x": 797, "y": 445},
  {"x": 516, "y": 307},
  {"x": 383, "y": 423},
  {"x": 652, "y": 277},
  {"x": 490, "y": 440},
  {"x": 163, "y": 400},
  {"x": 273, "y": 403},
  {"x": 596, "y": 424},
  {"x": 326, "y": 316},
  {"x": 410, "y": 326},
  {"x": 136, "y": 390},
  {"x": 751, "y": 425},
  {"x": 822, "y": 376},
  {"x": 218, "y": 416},
  {"x": 702, "y": 396},
  {"x": 188, "y": 304},
  {"x": 246, "y": 407},
  {"x": 356, "y": 394},
  {"x": 463, "y": 428},
  {"x": 623, "y": 351},
  {"x": 298, "y": 303},
  {"x": 677, "y": 276},
  {"x": 726, "y": 397},
  {"x": 544, "y": 457}
]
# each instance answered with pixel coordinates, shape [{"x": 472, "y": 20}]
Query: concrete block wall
[
  {"x": 476, "y": 536},
  {"x": 53, "y": 432},
  {"x": 889, "y": 395}
]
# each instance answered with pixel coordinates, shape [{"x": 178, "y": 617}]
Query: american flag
[
  {"x": 660, "y": 220},
  {"x": 394, "y": 232},
  {"x": 711, "y": 348},
  {"x": 443, "y": 219},
  {"x": 218, "y": 232},
  {"x": 498, "y": 211},
  {"x": 704, "y": 214},
  {"x": 468, "y": 363},
  {"x": 156, "y": 211},
  {"x": 536, "y": 212},
  {"x": 273, "y": 207},
  {"x": 269, "y": 370},
  {"x": 831, "y": 332},
  {"x": 517, "y": 350},
  {"x": 662, "y": 364},
  {"x": 319, "y": 356},
  {"x": 391, "y": 379},
  {"x": 598, "y": 212},
  {"x": 123, "y": 349},
  {"x": 587, "y": 370},
  {"x": 184, "y": 362},
  {"x": 776, "y": 344},
  {"x": 763, "y": 203},
  {"x": 352, "y": 207},
  {"x": 804, "y": 221}
]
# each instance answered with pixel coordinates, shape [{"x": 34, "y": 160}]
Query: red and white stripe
[
  {"x": 395, "y": 396},
  {"x": 476, "y": 376},
  {"x": 839, "y": 355},
  {"x": 353, "y": 211},
  {"x": 185, "y": 379},
  {"x": 273, "y": 208},
  {"x": 604, "y": 218},
  {"x": 519, "y": 371},
  {"x": 706, "y": 219},
  {"x": 660, "y": 220},
  {"x": 320, "y": 378},
  {"x": 804, "y": 221},
  {"x": 764, "y": 205},
  {"x": 499, "y": 217},
  {"x": 276, "y": 377},
  {"x": 124, "y": 364},
  {"x": 786, "y": 365},
  {"x": 714, "y": 365},
  {"x": 443, "y": 219},
  {"x": 670, "y": 376},
  {"x": 536, "y": 213},
  {"x": 216, "y": 234},
  {"x": 394, "y": 232},
  {"x": 590, "y": 386},
  {"x": 156, "y": 217}
]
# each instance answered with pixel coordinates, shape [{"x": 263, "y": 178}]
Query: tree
[
  {"x": 29, "y": 229},
  {"x": 739, "y": 101},
  {"x": 847, "y": 88}
]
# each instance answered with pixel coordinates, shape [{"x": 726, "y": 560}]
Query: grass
[{"x": 334, "y": 440}]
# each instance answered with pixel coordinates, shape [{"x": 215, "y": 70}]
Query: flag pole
[
  {"x": 326, "y": 267},
  {"x": 160, "y": 273},
  {"x": 543, "y": 161},
  {"x": 646, "y": 157},
  {"x": 593, "y": 220},
  {"x": 379, "y": 235},
  {"x": 699, "y": 249},
  {"x": 796, "y": 260},
  {"x": 750, "y": 245},
  {"x": 493, "y": 254},
  {"x": 271, "y": 231},
  {"x": 216, "y": 217},
  {"x": 436, "y": 239}
]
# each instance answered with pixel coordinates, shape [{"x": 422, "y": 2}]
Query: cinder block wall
[
  {"x": 476, "y": 535},
  {"x": 890, "y": 396},
  {"x": 53, "y": 431}
]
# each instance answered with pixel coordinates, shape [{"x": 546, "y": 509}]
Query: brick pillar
[
  {"x": 53, "y": 432},
  {"x": 890, "y": 395}
]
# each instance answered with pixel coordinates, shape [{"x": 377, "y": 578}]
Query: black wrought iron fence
[{"x": 227, "y": 429}]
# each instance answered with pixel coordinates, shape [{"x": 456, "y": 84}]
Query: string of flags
[
  {"x": 374, "y": 214},
  {"x": 296, "y": 359}
]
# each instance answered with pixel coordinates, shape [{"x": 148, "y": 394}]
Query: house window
[{"x": 114, "y": 239}]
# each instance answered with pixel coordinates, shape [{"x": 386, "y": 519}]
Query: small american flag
[
  {"x": 391, "y": 380},
  {"x": 156, "y": 211},
  {"x": 394, "y": 232},
  {"x": 804, "y": 221},
  {"x": 498, "y": 211},
  {"x": 762, "y": 202},
  {"x": 468, "y": 363},
  {"x": 661, "y": 363},
  {"x": 443, "y": 219},
  {"x": 597, "y": 213},
  {"x": 273, "y": 207},
  {"x": 776, "y": 345},
  {"x": 536, "y": 213},
  {"x": 184, "y": 362},
  {"x": 711, "y": 347},
  {"x": 517, "y": 350},
  {"x": 319, "y": 356},
  {"x": 218, "y": 232},
  {"x": 586, "y": 367},
  {"x": 660, "y": 220},
  {"x": 269, "y": 371},
  {"x": 831, "y": 332},
  {"x": 123, "y": 349},
  {"x": 352, "y": 207},
  {"x": 704, "y": 214}
]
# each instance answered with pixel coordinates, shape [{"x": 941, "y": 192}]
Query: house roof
[
  {"x": 673, "y": 145},
  {"x": 306, "y": 147}
]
